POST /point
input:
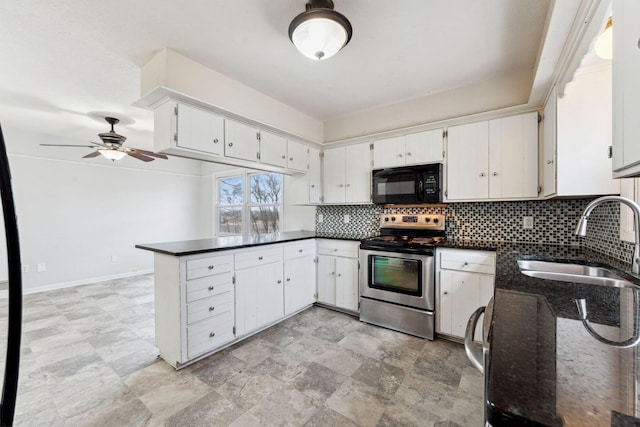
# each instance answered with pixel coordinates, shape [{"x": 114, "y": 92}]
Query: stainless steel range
[{"x": 397, "y": 289}]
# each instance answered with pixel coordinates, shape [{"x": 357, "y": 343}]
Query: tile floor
[{"x": 88, "y": 359}]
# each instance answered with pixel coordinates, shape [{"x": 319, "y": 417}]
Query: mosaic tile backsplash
[{"x": 554, "y": 222}]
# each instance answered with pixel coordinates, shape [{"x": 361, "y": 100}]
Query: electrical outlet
[
  {"x": 114, "y": 258},
  {"x": 347, "y": 218},
  {"x": 25, "y": 268},
  {"x": 320, "y": 218},
  {"x": 42, "y": 267},
  {"x": 527, "y": 222}
]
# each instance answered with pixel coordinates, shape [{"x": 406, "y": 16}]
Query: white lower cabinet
[
  {"x": 299, "y": 283},
  {"x": 259, "y": 288},
  {"x": 464, "y": 282},
  {"x": 337, "y": 275}
]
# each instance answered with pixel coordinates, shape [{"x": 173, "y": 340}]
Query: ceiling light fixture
[
  {"x": 111, "y": 153},
  {"x": 320, "y": 32},
  {"x": 604, "y": 44}
]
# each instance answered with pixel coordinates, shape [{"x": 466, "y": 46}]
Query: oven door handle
[{"x": 475, "y": 352}]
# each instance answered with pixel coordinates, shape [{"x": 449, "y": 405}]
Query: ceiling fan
[{"x": 111, "y": 146}]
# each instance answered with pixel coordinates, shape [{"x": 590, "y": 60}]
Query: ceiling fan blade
[
  {"x": 140, "y": 156},
  {"x": 94, "y": 154},
  {"x": 67, "y": 145},
  {"x": 95, "y": 143},
  {"x": 149, "y": 153}
]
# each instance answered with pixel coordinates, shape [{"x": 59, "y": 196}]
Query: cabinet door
[
  {"x": 629, "y": 188},
  {"x": 388, "y": 153},
  {"x": 333, "y": 175},
  {"x": 424, "y": 147},
  {"x": 199, "y": 130},
  {"x": 247, "y": 281},
  {"x": 299, "y": 285},
  {"x": 315, "y": 176},
  {"x": 346, "y": 283},
  {"x": 467, "y": 163},
  {"x": 297, "y": 156},
  {"x": 513, "y": 157},
  {"x": 273, "y": 149},
  {"x": 326, "y": 279},
  {"x": 549, "y": 145},
  {"x": 358, "y": 173},
  {"x": 270, "y": 294},
  {"x": 626, "y": 85},
  {"x": 241, "y": 141}
]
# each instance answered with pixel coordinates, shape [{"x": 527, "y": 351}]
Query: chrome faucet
[{"x": 581, "y": 228}]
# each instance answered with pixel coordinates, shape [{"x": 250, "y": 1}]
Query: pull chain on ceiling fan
[{"x": 111, "y": 146}]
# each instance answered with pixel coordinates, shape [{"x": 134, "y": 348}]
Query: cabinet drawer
[
  {"x": 258, "y": 257},
  {"x": 209, "y": 307},
  {"x": 209, "y": 286},
  {"x": 343, "y": 248},
  {"x": 209, "y": 266},
  {"x": 298, "y": 250},
  {"x": 209, "y": 334},
  {"x": 468, "y": 260}
]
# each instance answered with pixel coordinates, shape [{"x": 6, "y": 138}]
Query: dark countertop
[
  {"x": 544, "y": 367},
  {"x": 191, "y": 247}
]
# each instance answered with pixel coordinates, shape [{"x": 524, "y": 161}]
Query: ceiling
[{"x": 65, "y": 63}]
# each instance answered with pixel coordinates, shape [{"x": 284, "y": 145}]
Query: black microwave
[{"x": 407, "y": 185}]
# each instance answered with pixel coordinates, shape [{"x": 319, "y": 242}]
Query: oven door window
[{"x": 399, "y": 275}]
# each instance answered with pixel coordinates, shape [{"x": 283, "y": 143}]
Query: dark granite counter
[
  {"x": 191, "y": 247},
  {"x": 545, "y": 367}
]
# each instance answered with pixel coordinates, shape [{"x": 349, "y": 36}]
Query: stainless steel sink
[{"x": 570, "y": 272}]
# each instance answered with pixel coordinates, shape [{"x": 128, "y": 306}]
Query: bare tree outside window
[{"x": 262, "y": 201}]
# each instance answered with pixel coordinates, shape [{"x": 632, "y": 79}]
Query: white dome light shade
[
  {"x": 320, "y": 32},
  {"x": 604, "y": 44},
  {"x": 111, "y": 154},
  {"x": 319, "y": 38}
]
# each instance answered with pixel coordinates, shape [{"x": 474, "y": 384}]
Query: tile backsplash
[{"x": 554, "y": 222}]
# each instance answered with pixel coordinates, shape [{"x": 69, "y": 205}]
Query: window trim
[{"x": 246, "y": 203}]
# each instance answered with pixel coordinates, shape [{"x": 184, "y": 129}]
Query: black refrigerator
[{"x": 14, "y": 318}]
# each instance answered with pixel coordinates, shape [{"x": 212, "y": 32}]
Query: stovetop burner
[{"x": 409, "y": 231}]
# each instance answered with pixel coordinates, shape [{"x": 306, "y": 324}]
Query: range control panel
[{"x": 423, "y": 221}]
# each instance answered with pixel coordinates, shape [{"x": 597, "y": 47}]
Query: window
[{"x": 249, "y": 204}]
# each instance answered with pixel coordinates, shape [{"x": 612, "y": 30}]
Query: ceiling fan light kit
[
  {"x": 320, "y": 32},
  {"x": 111, "y": 146}
]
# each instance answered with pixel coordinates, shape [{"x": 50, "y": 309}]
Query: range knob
[
  {"x": 436, "y": 220},
  {"x": 427, "y": 220},
  {"x": 393, "y": 218},
  {"x": 386, "y": 219}
]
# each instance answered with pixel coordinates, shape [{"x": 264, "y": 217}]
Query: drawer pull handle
[
  {"x": 210, "y": 288},
  {"x": 212, "y": 308},
  {"x": 211, "y": 267},
  {"x": 260, "y": 258},
  {"x": 212, "y": 334}
]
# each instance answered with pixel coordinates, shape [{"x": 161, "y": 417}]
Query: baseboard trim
[{"x": 88, "y": 281}]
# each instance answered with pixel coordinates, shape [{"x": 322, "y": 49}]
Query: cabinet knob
[
  {"x": 408, "y": 154},
  {"x": 335, "y": 250},
  {"x": 260, "y": 258},
  {"x": 339, "y": 274},
  {"x": 291, "y": 159},
  {"x": 446, "y": 293},
  {"x": 466, "y": 263},
  {"x": 300, "y": 250},
  {"x": 210, "y": 267},
  {"x": 482, "y": 174},
  {"x": 288, "y": 279},
  {"x": 348, "y": 185},
  {"x": 333, "y": 273},
  {"x": 495, "y": 174},
  {"x": 212, "y": 334},
  {"x": 399, "y": 155},
  {"x": 313, "y": 186},
  {"x": 215, "y": 141},
  {"x": 341, "y": 185},
  {"x": 212, "y": 308},
  {"x": 284, "y": 157},
  {"x": 549, "y": 162},
  {"x": 279, "y": 281},
  {"x": 231, "y": 144},
  {"x": 211, "y": 288}
]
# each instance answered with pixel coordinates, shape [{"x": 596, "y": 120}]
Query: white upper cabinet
[
  {"x": 468, "y": 161},
  {"x": 497, "y": 159},
  {"x": 297, "y": 156},
  {"x": 315, "y": 176},
  {"x": 241, "y": 141},
  {"x": 415, "y": 148},
  {"x": 577, "y": 136},
  {"x": 199, "y": 130},
  {"x": 347, "y": 174},
  {"x": 273, "y": 149},
  {"x": 626, "y": 88}
]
